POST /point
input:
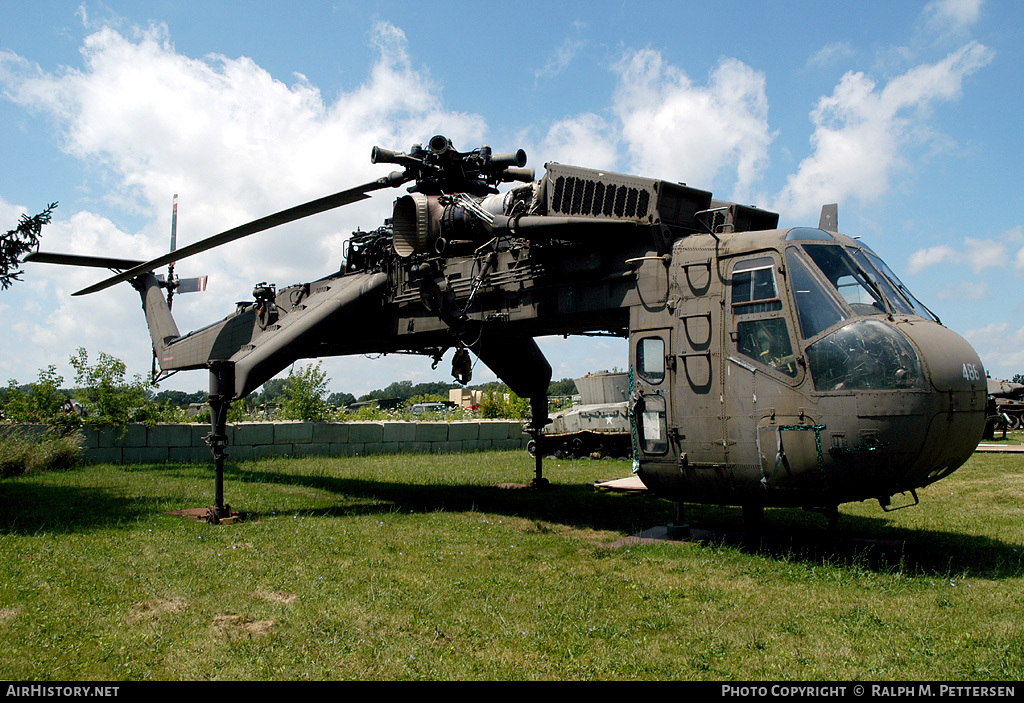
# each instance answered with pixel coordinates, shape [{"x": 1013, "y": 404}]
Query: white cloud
[
  {"x": 585, "y": 139},
  {"x": 924, "y": 258},
  {"x": 862, "y": 132},
  {"x": 223, "y": 132},
  {"x": 1001, "y": 346},
  {"x": 967, "y": 290},
  {"x": 676, "y": 130},
  {"x": 830, "y": 54},
  {"x": 236, "y": 144},
  {"x": 663, "y": 125},
  {"x": 979, "y": 254},
  {"x": 952, "y": 15},
  {"x": 563, "y": 55},
  {"x": 984, "y": 253}
]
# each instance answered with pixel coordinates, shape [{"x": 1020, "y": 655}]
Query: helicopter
[{"x": 767, "y": 367}]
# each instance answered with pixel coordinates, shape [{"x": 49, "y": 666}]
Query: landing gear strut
[
  {"x": 538, "y": 419},
  {"x": 222, "y": 389}
]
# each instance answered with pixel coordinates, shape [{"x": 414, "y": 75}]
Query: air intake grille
[
  {"x": 582, "y": 196},
  {"x": 582, "y": 192}
]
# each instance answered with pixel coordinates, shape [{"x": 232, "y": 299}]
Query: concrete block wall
[{"x": 257, "y": 440}]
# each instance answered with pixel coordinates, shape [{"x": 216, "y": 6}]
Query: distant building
[{"x": 465, "y": 398}]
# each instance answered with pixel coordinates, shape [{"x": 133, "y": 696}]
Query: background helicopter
[{"x": 767, "y": 367}]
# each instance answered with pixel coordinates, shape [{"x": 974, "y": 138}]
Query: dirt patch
[
  {"x": 278, "y": 597},
  {"x": 235, "y": 626},
  {"x": 7, "y": 613},
  {"x": 147, "y": 610}
]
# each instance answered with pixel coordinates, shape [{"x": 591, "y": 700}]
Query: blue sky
[{"x": 906, "y": 114}]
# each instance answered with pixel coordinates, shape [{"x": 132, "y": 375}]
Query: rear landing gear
[
  {"x": 538, "y": 419},
  {"x": 222, "y": 389}
]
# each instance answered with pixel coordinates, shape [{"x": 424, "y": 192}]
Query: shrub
[
  {"x": 500, "y": 402},
  {"x": 108, "y": 397},
  {"x": 305, "y": 395},
  {"x": 44, "y": 402},
  {"x": 27, "y": 450}
]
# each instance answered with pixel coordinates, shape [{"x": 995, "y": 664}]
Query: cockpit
[{"x": 845, "y": 299}]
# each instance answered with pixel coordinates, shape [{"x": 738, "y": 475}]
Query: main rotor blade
[
  {"x": 104, "y": 262},
  {"x": 313, "y": 207}
]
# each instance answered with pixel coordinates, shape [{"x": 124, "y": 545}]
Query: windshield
[
  {"x": 915, "y": 304},
  {"x": 816, "y": 311},
  {"x": 848, "y": 278},
  {"x": 897, "y": 301},
  {"x": 864, "y": 355}
]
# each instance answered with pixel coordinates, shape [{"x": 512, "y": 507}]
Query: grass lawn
[{"x": 420, "y": 567}]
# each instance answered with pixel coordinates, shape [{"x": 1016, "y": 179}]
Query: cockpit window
[
  {"x": 767, "y": 341},
  {"x": 753, "y": 286},
  {"x": 895, "y": 299},
  {"x": 761, "y": 334},
  {"x": 816, "y": 311},
  {"x": 848, "y": 279},
  {"x": 864, "y": 355},
  {"x": 809, "y": 234},
  {"x": 915, "y": 304}
]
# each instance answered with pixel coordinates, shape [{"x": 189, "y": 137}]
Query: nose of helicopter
[
  {"x": 956, "y": 408},
  {"x": 920, "y": 406}
]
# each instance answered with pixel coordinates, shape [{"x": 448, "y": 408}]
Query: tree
[
  {"x": 179, "y": 398},
  {"x": 109, "y": 398},
  {"x": 42, "y": 401},
  {"x": 305, "y": 395},
  {"x": 566, "y": 386},
  {"x": 272, "y": 390},
  {"x": 340, "y": 399},
  {"x": 17, "y": 242},
  {"x": 500, "y": 402}
]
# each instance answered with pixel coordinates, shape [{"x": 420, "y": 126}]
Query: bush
[
  {"x": 44, "y": 402},
  {"x": 500, "y": 402},
  {"x": 305, "y": 395},
  {"x": 107, "y": 396},
  {"x": 26, "y": 450}
]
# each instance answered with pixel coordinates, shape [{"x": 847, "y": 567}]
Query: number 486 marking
[{"x": 971, "y": 372}]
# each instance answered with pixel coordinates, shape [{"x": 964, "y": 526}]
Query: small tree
[
  {"x": 44, "y": 402},
  {"x": 109, "y": 398},
  {"x": 305, "y": 395},
  {"x": 17, "y": 242},
  {"x": 500, "y": 402}
]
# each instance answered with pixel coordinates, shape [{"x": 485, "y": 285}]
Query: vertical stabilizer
[
  {"x": 829, "y": 219},
  {"x": 161, "y": 324}
]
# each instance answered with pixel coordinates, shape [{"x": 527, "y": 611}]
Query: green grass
[
  {"x": 1012, "y": 437},
  {"x": 419, "y": 567}
]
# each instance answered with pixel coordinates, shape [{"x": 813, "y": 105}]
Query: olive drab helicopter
[{"x": 767, "y": 367}]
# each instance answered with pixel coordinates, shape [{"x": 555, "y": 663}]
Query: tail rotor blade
[
  {"x": 191, "y": 285},
  {"x": 174, "y": 224}
]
